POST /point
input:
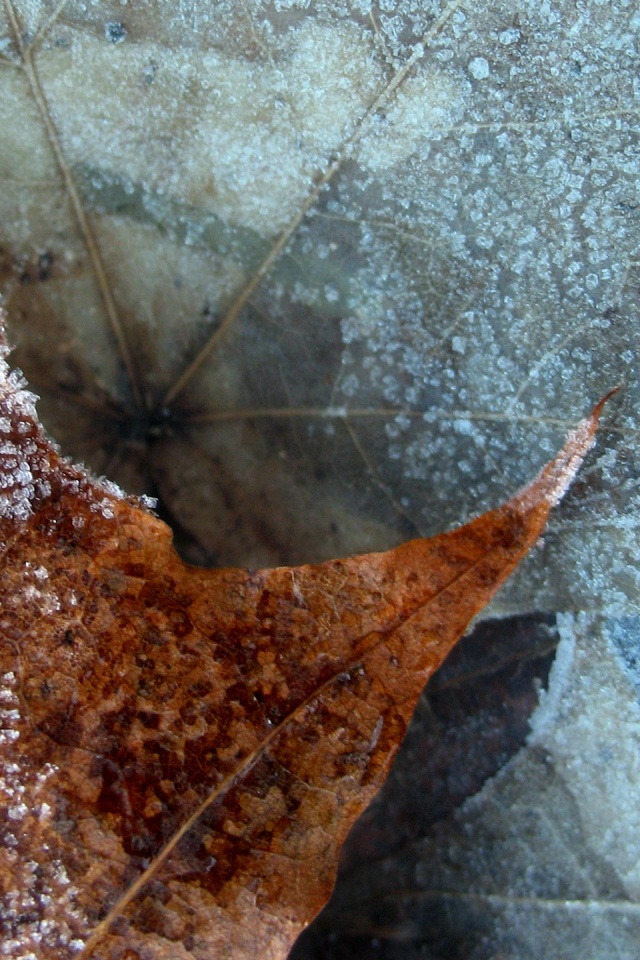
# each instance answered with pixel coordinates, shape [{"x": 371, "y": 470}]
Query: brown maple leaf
[{"x": 183, "y": 751}]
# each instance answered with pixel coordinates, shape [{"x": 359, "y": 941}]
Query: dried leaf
[
  {"x": 474, "y": 259},
  {"x": 184, "y": 751}
]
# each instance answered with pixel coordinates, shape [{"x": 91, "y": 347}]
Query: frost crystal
[
  {"x": 26, "y": 469},
  {"x": 35, "y": 909},
  {"x": 17, "y": 485}
]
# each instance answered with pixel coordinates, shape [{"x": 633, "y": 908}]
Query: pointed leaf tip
[{"x": 556, "y": 477}]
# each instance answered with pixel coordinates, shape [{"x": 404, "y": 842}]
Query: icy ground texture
[
  {"x": 544, "y": 860},
  {"x": 392, "y": 354},
  {"x": 462, "y": 290}
]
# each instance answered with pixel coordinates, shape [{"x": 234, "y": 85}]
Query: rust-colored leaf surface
[{"x": 183, "y": 751}]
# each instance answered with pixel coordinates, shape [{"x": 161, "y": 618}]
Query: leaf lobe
[{"x": 208, "y": 737}]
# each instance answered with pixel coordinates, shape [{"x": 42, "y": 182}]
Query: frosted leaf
[
  {"x": 26, "y": 466},
  {"x": 456, "y": 284}
]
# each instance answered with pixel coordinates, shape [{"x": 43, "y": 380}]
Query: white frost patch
[
  {"x": 43, "y": 603},
  {"x": 335, "y": 413},
  {"x": 424, "y": 105},
  {"x": 111, "y": 488},
  {"x": 578, "y": 443},
  {"x": 277, "y": 120},
  {"x": 509, "y": 36},
  {"x": 104, "y": 507},
  {"x": 565, "y": 467},
  {"x": 479, "y": 68},
  {"x": 18, "y": 486},
  {"x": 550, "y": 700},
  {"x": 9, "y": 711},
  {"x": 25, "y": 464},
  {"x": 38, "y": 909},
  {"x": 589, "y": 722}
]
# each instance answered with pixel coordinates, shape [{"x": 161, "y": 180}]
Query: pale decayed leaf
[
  {"x": 437, "y": 318},
  {"x": 405, "y": 234}
]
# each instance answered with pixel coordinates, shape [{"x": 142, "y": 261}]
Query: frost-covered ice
[
  {"x": 589, "y": 723},
  {"x": 479, "y": 68},
  {"x": 462, "y": 292},
  {"x": 543, "y": 860},
  {"x": 474, "y": 258}
]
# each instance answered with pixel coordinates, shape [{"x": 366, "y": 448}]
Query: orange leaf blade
[{"x": 182, "y": 751}]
